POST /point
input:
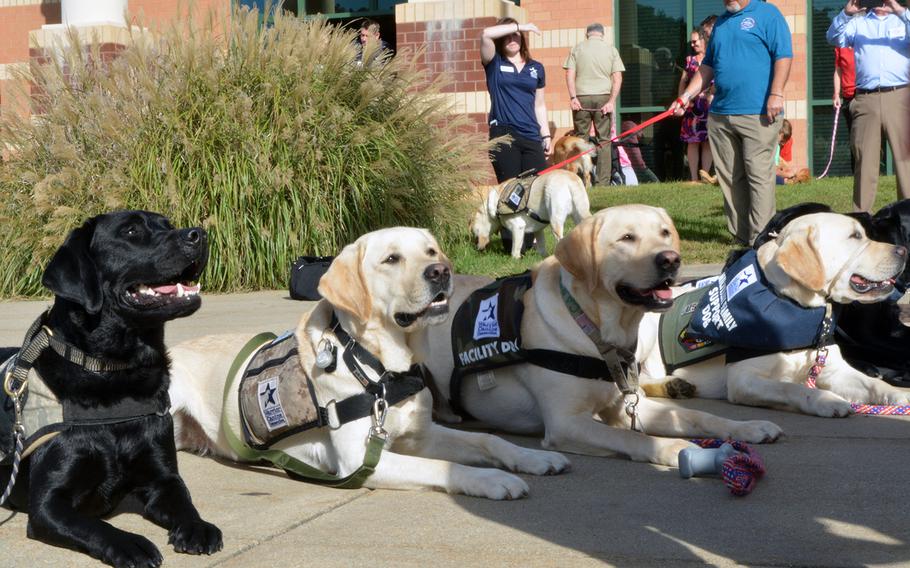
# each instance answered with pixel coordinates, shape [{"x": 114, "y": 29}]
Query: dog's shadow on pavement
[{"x": 832, "y": 496}]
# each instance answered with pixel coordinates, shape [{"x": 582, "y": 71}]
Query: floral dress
[{"x": 695, "y": 119}]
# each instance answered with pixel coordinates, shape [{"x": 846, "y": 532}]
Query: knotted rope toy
[{"x": 737, "y": 463}]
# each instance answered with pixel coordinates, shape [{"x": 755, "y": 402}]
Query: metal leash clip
[
  {"x": 380, "y": 408},
  {"x": 631, "y": 403},
  {"x": 8, "y": 387}
]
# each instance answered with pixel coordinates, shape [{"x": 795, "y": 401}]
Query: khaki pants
[
  {"x": 743, "y": 150},
  {"x": 872, "y": 113},
  {"x": 582, "y": 120}
]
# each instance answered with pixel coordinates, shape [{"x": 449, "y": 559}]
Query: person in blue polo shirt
[
  {"x": 517, "y": 108},
  {"x": 880, "y": 39},
  {"x": 748, "y": 57}
]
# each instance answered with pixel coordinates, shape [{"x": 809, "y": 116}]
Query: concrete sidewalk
[{"x": 833, "y": 496}]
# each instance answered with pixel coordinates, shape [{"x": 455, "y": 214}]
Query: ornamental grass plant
[{"x": 268, "y": 136}]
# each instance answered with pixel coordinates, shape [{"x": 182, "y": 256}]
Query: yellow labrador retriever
[
  {"x": 555, "y": 196},
  {"x": 617, "y": 265},
  {"x": 816, "y": 259},
  {"x": 383, "y": 288}
]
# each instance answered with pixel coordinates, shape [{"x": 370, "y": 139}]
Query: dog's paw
[
  {"x": 196, "y": 537},
  {"x": 756, "y": 432},
  {"x": 127, "y": 550},
  {"x": 828, "y": 405},
  {"x": 493, "y": 484},
  {"x": 540, "y": 462},
  {"x": 895, "y": 397},
  {"x": 678, "y": 388}
]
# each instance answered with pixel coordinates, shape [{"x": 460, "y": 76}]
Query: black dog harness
[
  {"x": 48, "y": 417},
  {"x": 32, "y": 414},
  {"x": 277, "y": 399},
  {"x": 486, "y": 335}
]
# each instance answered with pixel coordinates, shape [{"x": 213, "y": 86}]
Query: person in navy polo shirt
[
  {"x": 748, "y": 57},
  {"x": 515, "y": 83}
]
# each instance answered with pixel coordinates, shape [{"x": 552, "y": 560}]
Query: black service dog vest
[{"x": 486, "y": 330}]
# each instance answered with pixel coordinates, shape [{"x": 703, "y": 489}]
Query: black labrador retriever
[
  {"x": 872, "y": 337},
  {"x": 116, "y": 281}
]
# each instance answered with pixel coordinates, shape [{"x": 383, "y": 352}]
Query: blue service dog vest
[{"x": 740, "y": 314}]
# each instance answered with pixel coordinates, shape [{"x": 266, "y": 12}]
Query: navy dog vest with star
[
  {"x": 736, "y": 314},
  {"x": 742, "y": 310}
]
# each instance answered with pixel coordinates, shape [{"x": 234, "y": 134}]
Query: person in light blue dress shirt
[{"x": 880, "y": 38}]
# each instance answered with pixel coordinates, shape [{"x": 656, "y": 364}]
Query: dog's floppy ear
[
  {"x": 344, "y": 286},
  {"x": 72, "y": 274},
  {"x": 799, "y": 259},
  {"x": 577, "y": 252}
]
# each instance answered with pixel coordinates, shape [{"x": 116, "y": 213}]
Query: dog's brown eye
[
  {"x": 431, "y": 252},
  {"x": 666, "y": 232},
  {"x": 856, "y": 235},
  {"x": 392, "y": 259},
  {"x": 628, "y": 237}
]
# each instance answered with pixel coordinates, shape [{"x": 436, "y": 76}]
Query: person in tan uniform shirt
[{"x": 594, "y": 77}]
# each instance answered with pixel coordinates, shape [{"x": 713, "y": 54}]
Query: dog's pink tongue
[
  {"x": 167, "y": 289},
  {"x": 191, "y": 289},
  {"x": 663, "y": 293}
]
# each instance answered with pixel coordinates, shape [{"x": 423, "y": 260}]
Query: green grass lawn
[{"x": 697, "y": 211}]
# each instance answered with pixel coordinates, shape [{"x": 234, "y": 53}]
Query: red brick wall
[
  {"x": 451, "y": 47},
  {"x": 16, "y": 22}
]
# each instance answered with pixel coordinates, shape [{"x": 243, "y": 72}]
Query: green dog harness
[{"x": 277, "y": 399}]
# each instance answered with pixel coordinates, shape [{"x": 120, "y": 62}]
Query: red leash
[{"x": 629, "y": 132}]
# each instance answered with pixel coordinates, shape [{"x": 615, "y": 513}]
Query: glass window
[
  {"x": 823, "y": 12},
  {"x": 701, "y": 10},
  {"x": 352, "y": 5},
  {"x": 365, "y": 7},
  {"x": 653, "y": 38},
  {"x": 258, "y": 4},
  {"x": 652, "y": 44}
]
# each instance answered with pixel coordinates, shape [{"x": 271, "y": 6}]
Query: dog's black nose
[
  {"x": 668, "y": 261},
  {"x": 193, "y": 237},
  {"x": 437, "y": 273}
]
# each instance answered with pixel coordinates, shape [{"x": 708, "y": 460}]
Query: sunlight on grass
[{"x": 697, "y": 211}]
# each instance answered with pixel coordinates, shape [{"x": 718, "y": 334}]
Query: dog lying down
[
  {"x": 615, "y": 267},
  {"x": 116, "y": 281},
  {"x": 554, "y": 197},
  {"x": 815, "y": 260},
  {"x": 383, "y": 289}
]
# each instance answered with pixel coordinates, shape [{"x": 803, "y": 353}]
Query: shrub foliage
[{"x": 268, "y": 136}]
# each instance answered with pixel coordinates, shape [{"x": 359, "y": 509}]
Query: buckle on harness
[{"x": 331, "y": 414}]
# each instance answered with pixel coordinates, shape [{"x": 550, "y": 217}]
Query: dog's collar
[
  {"x": 620, "y": 362},
  {"x": 38, "y": 338}
]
